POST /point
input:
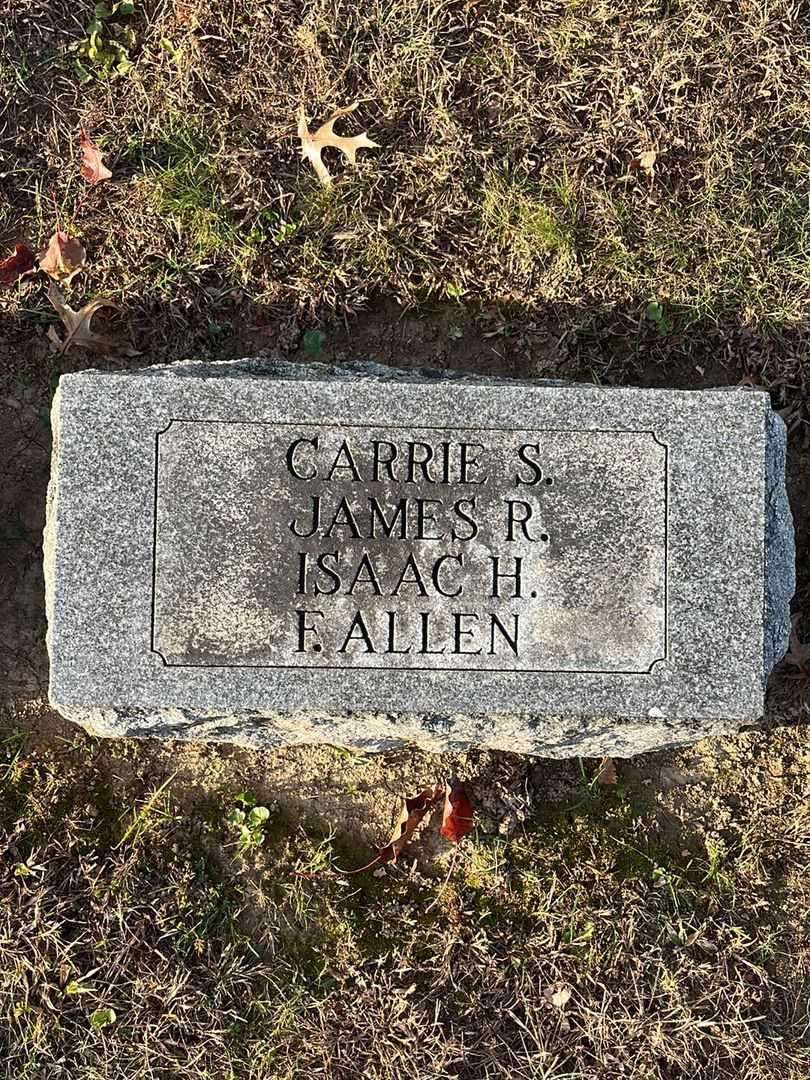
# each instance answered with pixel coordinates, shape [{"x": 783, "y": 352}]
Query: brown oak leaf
[
  {"x": 16, "y": 265},
  {"x": 798, "y": 654},
  {"x": 63, "y": 258},
  {"x": 77, "y": 324},
  {"x": 411, "y": 816},
  {"x": 457, "y": 817},
  {"x": 312, "y": 145},
  {"x": 93, "y": 168}
]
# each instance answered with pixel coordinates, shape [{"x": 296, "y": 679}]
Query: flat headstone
[{"x": 271, "y": 553}]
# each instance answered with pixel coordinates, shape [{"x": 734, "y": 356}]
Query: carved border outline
[{"x": 376, "y": 667}]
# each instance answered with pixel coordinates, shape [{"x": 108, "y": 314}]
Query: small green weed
[
  {"x": 656, "y": 313},
  {"x": 313, "y": 341},
  {"x": 249, "y": 821},
  {"x": 102, "y": 1018},
  {"x": 105, "y": 51}
]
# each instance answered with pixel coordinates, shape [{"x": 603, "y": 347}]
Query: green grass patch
[{"x": 190, "y": 187}]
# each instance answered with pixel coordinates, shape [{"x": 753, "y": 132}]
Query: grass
[
  {"x": 590, "y": 942},
  {"x": 188, "y": 191},
  {"x": 506, "y": 169},
  {"x": 504, "y": 225},
  {"x": 525, "y": 228}
]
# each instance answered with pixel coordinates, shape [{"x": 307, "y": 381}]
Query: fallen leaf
[
  {"x": 411, "y": 816},
  {"x": 77, "y": 323},
  {"x": 16, "y": 265},
  {"x": 607, "y": 771},
  {"x": 798, "y": 654},
  {"x": 93, "y": 168},
  {"x": 755, "y": 382},
  {"x": 312, "y": 145},
  {"x": 645, "y": 162},
  {"x": 63, "y": 258},
  {"x": 560, "y": 998},
  {"x": 457, "y": 818}
]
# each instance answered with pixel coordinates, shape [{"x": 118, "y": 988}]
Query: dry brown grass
[
  {"x": 507, "y": 172},
  {"x": 503, "y": 206},
  {"x": 657, "y": 930}
]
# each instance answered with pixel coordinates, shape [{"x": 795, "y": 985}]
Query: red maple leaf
[
  {"x": 457, "y": 818},
  {"x": 21, "y": 262}
]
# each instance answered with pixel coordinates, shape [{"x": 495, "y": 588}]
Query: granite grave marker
[{"x": 270, "y": 553}]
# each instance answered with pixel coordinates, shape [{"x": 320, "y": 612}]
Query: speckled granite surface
[{"x": 653, "y": 530}]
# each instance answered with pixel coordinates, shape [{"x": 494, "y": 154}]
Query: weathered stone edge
[
  {"x": 553, "y": 737},
  {"x": 50, "y": 530},
  {"x": 780, "y": 547},
  {"x": 315, "y": 371}
]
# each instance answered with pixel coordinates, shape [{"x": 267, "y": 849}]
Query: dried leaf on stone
[
  {"x": 798, "y": 654},
  {"x": 411, "y": 816},
  {"x": 313, "y": 145},
  {"x": 457, "y": 817},
  {"x": 77, "y": 324},
  {"x": 754, "y": 381},
  {"x": 93, "y": 168},
  {"x": 63, "y": 258},
  {"x": 607, "y": 771},
  {"x": 17, "y": 265}
]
